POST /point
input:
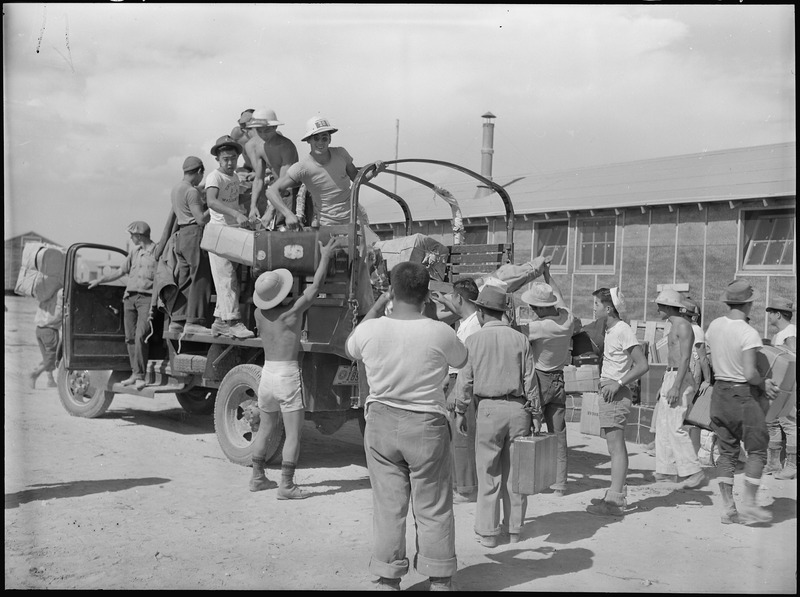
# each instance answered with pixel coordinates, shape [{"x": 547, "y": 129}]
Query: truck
[{"x": 220, "y": 375}]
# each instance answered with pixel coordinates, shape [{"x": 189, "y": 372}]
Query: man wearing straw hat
[
  {"x": 675, "y": 454},
  {"x": 738, "y": 404},
  {"x": 270, "y": 154},
  {"x": 550, "y": 335},
  {"x": 623, "y": 363},
  {"x": 779, "y": 316},
  {"x": 499, "y": 374},
  {"x": 279, "y": 321}
]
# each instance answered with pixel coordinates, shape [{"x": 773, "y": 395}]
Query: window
[
  {"x": 550, "y": 238},
  {"x": 768, "y": 239},
  {"x": 596, "y": 243},
  {"x": 476, "y": 235}
]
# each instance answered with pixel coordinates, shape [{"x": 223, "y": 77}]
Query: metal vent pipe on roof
[{"x": 487, "y": 151}]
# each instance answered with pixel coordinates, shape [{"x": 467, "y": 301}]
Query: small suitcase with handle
[
  {"x": 533, "y": 463},
  {"x": 699, "y": 413}
]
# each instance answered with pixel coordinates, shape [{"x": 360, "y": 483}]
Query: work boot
[
  {"x": 259, "y": 480},
  {"x": 773, "y": 461},
  {"x": 238, "y": 330},
  {"x": 288, "y": 490},
  {"x": 196, "y": 328},
  {"x": 488, "y": 540},
  {"x": 729, "y": 514},
  {"x": 750, "y": 512},
  {"x": 613, "y": 504},
  {"x": 789, "y": 466},
  {"x": 661, "y": 478}
]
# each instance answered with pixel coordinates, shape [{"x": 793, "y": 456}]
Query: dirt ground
[{"x": 143, "y": 498}]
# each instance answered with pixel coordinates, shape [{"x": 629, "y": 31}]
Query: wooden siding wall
[{"x": 659, "y": 245}]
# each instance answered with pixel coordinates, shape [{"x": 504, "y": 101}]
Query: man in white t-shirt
[
  {"x": 623, "y": 363},
  {"x": 738, "y": 404},
  {"x": 779, "y": 316},
  {"x": 222, "y": 195},
  {"x": 465, "y": 479},
  {"x": 407, "y": 437}
]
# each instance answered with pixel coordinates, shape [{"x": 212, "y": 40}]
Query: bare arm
[
  {"x": 791, "y": 344},
  {"x": 274, "y": 193},
  {"x": 702, "y": 357},
  {"x": 685, "y": 336},
  {"x": 258, "y": 181},
  {"x": 556, "y": 290},
  {"x": 109, "y": 278},
  {"x": 310, "y": 293},
  {"x": 211, "y": 196}
]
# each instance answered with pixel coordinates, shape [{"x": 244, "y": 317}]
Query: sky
[{"x": 102, "y": 102}]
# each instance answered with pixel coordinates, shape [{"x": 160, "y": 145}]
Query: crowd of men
[{"x": 444, "y": 434}]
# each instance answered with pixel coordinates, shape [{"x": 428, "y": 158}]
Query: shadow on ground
[
  {"x": 515, "y": 567},
  {"x": 76, "y": 489}
]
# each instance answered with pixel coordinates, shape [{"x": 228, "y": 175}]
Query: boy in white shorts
[{"x": 279, "y": 321}]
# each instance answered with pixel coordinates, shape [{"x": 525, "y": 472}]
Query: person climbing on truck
[{"x": 279, "y": 321}]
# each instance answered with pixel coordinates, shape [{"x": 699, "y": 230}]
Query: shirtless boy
[
  {"x": 675, "y": 454},
  {"x": 279, "y": 321}
]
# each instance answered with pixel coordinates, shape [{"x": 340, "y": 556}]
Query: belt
[
  {"x": 672, "y": 368},
  {"x": 452, "y": 374},
  {"x": 508, "y": 397},
  {"x": 182, "y": 226}
]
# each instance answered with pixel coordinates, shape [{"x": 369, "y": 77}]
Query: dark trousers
[
  {"x": 193, "y": 279},
  {"x": 738, "y": 415},
  {"x": 554, "y": 411},
  {"x": 465, "y": 479}
]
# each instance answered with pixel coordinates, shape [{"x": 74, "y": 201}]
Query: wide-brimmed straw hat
[
  {"x": 781, "y": 304},
  {"x": 540, "y": 295},
  {"x": 670, "y": 298},
  {"x": 263, "y": 117},
  {"x": 271, "y": 288}
]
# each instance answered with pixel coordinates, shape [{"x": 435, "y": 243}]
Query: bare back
[{"x": 279, "y": 329}]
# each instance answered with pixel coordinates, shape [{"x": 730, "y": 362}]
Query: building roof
[
  {"x": 728, "y": 175},
  {"x": 31, "y": 235}
]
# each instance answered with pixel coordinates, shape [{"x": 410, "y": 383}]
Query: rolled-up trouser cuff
[
  {"x": 428, "y": 567},
  {"x": 396, "y": 569}
]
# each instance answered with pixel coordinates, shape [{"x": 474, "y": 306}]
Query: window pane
[
  {"x": 559, "y": 256},
  {"x": 609, "y": 260},
  {"x": 586, "y": 254},
  {"x": 769, "y": 238},
  {"x": 598, "y": 257},
  {"x": 551, "y": 239}
]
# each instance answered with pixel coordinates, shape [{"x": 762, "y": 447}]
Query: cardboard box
[
  {"x": 780, "y": 366},
  {"x": 418, "y": 248},
  {"x": 533, "y": 463},
  {"x": 585, "y": 378},
  {"x": 590, "y": 413},
  {"x": 230, "y": 242}
]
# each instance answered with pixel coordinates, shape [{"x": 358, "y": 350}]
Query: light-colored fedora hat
[
  {"x": 670, "y": 298},
  {"x": 540, "y": 295},
  {"x": 263, "y": 117},
  {"x": 491, "y": 297},
  {"x": 271, "y": 288}
]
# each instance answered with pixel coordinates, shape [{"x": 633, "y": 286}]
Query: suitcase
[
  {"x": 779, "y": 365},
  {"x": 232, "y": 243},
  {"x": 297, "y": 251},
  {"x": 590, "y": 413},
  {"x": 699, "y": 413},
  {"x": 533, "y": 463}
]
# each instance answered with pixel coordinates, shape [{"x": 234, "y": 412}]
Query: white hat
[
  {"x": 670, "y": 298},
  {"x": 271, "y": 288},
  {"x": 618, "y": 300},
  {"x": 263, "y": 117},
  {"x": 318, "y": 124}
]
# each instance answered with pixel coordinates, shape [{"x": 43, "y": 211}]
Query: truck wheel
[
  {"x": 197, "y": 401},
  {"x": 237, "y": 391},
  {"x": 83, "y": 392}
]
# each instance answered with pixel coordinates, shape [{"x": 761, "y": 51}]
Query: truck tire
[
  {"x": 238, "y": 390},
  {"x": 197, "y": 401},
  {"x": 83, "y": 392}
]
